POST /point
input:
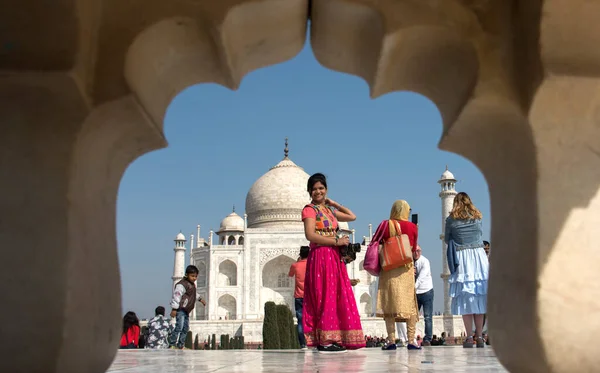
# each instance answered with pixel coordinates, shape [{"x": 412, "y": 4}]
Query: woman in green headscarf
[{"x": 396, "y": 298}]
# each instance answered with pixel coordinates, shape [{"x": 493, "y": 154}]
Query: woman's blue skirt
[{"x": 468, "y": 285}]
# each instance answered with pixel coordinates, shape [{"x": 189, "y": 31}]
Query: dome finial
[
  {"x": 286, "y": 151},
  {"x": 446, "y": 167},
  {"x": 233, "y": 208}
]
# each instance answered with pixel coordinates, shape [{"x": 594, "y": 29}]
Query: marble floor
[{"x": 433, "y": 359}]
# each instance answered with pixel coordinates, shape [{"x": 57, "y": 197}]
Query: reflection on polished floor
[{"x": 440, "y": 359}]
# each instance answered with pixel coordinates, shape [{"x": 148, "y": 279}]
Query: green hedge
[
  {"x": 283, "y": 324},
  {"x": 270, "y": 329},
  {"x": 189, "y": 340}
]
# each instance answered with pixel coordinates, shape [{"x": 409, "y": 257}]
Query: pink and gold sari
[{"x": 330, "y": 313}]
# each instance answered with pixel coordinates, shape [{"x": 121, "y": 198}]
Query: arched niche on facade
[
  {"x": 201, "y": 282},
  {"x": 366, "y": 304},
  {"x": 231, "y": 240},
  {"x": 227, "y": 273},
  {"x": 241, "y": 240},
  {"x": 277, "y": 285},
  {"x": 201, "y": 310},
  {"x": 227, "y": 306},
  {"x": 363, "y": 276},
  {"x": 275, "y": 273}
]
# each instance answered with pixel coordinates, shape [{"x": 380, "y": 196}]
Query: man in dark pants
[
  {"x": 298, "y": 270},
  {"x": 424, "y": 290}
]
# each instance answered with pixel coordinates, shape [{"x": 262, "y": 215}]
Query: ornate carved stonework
[
  {"x": 251, "y": 284},
  {"x": 268, "y": 254},
  {"x": 299, "y": 230},
  {"x": 275, "y": 215}
]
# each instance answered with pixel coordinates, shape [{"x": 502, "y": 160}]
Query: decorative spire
[
  {"x": 286, "y": 151},
  {"x": 446, "y": 167},
  {"x": 233, "y": 208}
]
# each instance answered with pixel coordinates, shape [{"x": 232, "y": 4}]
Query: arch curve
[
  {"x": 202, "y": 274},
  {"x": 177, "y": 52},
  {"x": 275, "y": 270},
  {"x": 227, "y": 307},
  {"x": 424, "y": 54},
  {"x": 365, "y": 307},
  {"x": 227, "y": 273}
]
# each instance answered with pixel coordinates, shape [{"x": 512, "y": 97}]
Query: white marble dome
[
  {"x": 180, "y": 237},
  {"x": 278, "y": 197},
  {"x": 447, "y": 175},
  {"x": 232, "y": 223}
]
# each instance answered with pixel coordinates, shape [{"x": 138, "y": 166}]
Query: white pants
[{"x": 402, "y": 335}]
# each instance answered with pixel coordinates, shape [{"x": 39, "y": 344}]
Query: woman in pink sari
[{"x": 330, "y": 316}]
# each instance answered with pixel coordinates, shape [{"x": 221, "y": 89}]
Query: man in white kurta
[{"x": 424, "y": 290}]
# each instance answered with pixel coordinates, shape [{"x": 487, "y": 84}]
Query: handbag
[
  {"x": 396, "y": 251},
  {"x": 371, "y": 262}
]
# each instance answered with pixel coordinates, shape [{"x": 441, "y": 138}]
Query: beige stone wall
[{"x": 84, "y": 85}]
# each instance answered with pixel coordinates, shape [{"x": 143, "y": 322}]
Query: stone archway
[
  {"x": 202, "y": 275},
  {"x": 364, "y": 276},
  {"x": 227, "y": 307},
  {"x": 277, "y": 286},
  {"x": 227, "y": 273},
  {"x": 366, "y": 306},
  {"x": 522, "y": 109},
  {"x": 201, "y": 310}
]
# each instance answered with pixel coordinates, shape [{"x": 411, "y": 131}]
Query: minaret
[
  {"x": 191, "y": 249},
  {"x": 198, "y": 237},
  {"x": 179, "y": 266},
  {"x": 193, "y": 314},
  {"x": 447, "y": 183},
  {"x": 191, "y": 246}
]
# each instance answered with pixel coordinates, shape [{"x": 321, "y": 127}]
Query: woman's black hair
[
  {"x": 318, "y": 177},
  {"x": 130, "y": 319}
]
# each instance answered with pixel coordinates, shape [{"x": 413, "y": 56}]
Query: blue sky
[{"x": 222, "y": 141}]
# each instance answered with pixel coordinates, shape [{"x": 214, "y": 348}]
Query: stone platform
[{"x": 372, "y": 360}]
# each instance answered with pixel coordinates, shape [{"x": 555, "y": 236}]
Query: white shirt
[{"x": 423, "y": 282}]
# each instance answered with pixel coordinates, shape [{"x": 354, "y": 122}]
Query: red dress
[{"x": 132, "y": 336}]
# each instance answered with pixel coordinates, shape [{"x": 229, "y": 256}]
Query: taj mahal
[{"x": 246, "y": 262}]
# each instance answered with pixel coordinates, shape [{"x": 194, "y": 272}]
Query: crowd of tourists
[
  {"x": 326, "y": 309},
  {"x": 160, "y": 333},
  {"x": 328, "y": 317}
]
